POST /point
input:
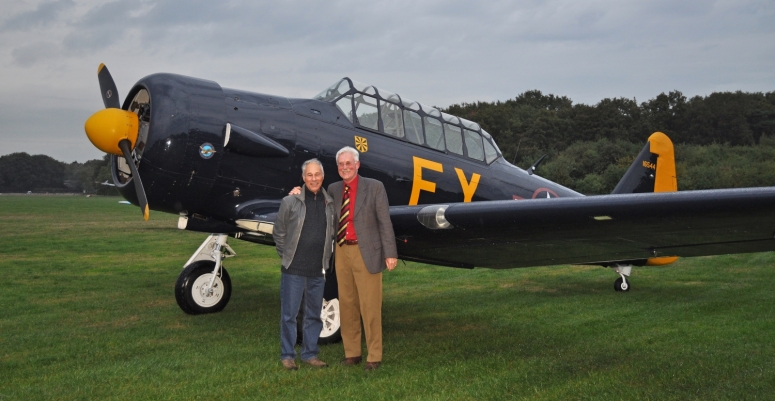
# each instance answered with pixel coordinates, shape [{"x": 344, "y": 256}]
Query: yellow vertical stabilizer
[{"x": 665, "y": 180}]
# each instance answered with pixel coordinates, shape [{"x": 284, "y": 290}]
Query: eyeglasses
[{"x": 346, "y": 164}]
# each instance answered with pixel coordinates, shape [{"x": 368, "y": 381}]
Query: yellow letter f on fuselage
[{"x": 418, "y": 184}]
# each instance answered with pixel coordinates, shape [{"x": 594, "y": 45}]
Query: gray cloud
[
  {"x": 437, "y": 52},
  {"x": 27, "y": 55},
  {"x": 45, "y": 13}
]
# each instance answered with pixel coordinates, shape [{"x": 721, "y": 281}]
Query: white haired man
[{"x": 366, "y": 247}]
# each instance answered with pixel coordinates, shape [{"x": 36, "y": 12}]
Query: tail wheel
[
  {"x": 621, "y": 285},
  {"x": 192, "y": 289}
]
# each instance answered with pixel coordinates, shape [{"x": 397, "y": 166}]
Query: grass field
[{"x": 87, "y": 312}]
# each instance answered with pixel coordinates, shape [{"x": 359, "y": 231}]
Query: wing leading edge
[{"x": 593, "y": 229}]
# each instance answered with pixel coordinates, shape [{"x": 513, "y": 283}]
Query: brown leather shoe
[
  {"x": 315, "y": 362},
  {"x": 371, "y": 366},
  {"x": 352, "y": 361},
  {"x": 290, "y": 364}
]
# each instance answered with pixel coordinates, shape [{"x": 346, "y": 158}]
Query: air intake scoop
[{"x": 248, "y": 143}]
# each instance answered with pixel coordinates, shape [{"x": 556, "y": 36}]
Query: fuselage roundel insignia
[{"x": 361, "y": 144}]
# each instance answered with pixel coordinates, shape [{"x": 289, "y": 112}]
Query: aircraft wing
[{"x": 587, "y": 230}]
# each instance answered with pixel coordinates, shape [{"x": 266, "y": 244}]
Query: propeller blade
[
  {"x": 108, "y": 88},
  {"x": 125, "y": 146}
]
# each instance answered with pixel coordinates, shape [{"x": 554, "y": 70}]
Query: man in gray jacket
[{"x": 304, "y": 237}]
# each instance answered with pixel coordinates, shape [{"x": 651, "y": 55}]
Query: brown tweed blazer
[{"x": 373, "y": 227}]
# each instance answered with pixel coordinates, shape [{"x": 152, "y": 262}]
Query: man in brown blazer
[{"x": 365, "y": 247}]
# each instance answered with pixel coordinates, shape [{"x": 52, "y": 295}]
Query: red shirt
[{"x": 350, "y": 230}]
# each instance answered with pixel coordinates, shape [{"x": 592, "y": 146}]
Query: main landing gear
[
  {"x": 204, "y": 286},
  {"x": 621, "y": 283}
]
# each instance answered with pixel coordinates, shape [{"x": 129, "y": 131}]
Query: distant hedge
[{"x": 21, "y": 172}]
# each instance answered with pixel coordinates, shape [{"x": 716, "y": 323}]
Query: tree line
[
  {"x": 722, "y": 140},
  {"x": 21, "y": 172}
]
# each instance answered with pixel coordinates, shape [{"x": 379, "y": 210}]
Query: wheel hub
[
  {"x": 330, "y": 317},
  {"x": 204, "y": 295}
]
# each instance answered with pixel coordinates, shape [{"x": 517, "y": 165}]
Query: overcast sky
[{"x": 435, "y": 52}]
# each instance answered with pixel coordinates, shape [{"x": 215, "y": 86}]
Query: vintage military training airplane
[{"x": 222, "y": 159}]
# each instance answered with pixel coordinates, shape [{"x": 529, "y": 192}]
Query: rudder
[{"x": 653, "y": 170}]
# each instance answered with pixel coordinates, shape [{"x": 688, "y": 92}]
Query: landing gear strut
[
  {"x": 621, "y": 283},
  {"x": 204, "y": 285}
]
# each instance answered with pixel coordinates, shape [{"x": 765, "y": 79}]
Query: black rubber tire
[
  {"x": 184, "y": 288},
  {"x": 618, "y": 285}
]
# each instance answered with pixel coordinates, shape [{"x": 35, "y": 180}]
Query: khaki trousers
[{"x": 360, "y": 296}]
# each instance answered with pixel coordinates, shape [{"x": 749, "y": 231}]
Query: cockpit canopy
[{"x": 388, "y": 113}]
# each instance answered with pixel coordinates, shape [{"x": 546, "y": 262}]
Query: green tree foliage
[
  {"x": 20, "y": 172},
  {"x": 530, "y": 123},
  {"x": 665, "y": 113},
  {"x": 718, "y": 166},
  {"x": 89, "y": 176},
  {"x": 727, "y": 118},
  {"x": 609, "y": 119},
  {"x": 594, "y": 168},
  {"x": 591, "y": 167}
]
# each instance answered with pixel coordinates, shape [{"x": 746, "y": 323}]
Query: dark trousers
[{"x": 292, "y": 288}]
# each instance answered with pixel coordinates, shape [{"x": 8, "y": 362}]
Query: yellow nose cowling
[{"x": 107, "y": 127}]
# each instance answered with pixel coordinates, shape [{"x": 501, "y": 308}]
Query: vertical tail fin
[{"x": 653, "y": 170}]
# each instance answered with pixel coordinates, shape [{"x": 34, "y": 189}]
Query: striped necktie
[{"x": 341, "y": 232}]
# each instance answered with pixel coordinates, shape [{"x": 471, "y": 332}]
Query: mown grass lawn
[{"x": 87, "y": 312}]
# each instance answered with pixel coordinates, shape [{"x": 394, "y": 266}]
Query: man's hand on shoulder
[{"x": 295, "y": 191}]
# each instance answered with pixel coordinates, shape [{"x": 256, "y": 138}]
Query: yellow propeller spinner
[{"x": 107, "y": 127}]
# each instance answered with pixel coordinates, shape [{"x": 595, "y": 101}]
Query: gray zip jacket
[{"x": 290, "y": 219}]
